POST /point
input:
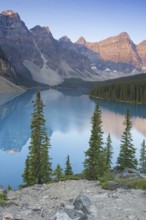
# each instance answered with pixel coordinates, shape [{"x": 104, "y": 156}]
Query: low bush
[
  {"x": 133, "y": 183},
  {"x": 126, "y": 183},
  {"x": 3, "y": 198}
]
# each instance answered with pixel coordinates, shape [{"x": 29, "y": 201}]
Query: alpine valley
[{"x": 33, "y": 57}]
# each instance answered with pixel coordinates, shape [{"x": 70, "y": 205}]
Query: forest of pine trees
[
  {"x": 128, "y": 91},
  {"x": 98, "y": 157}
]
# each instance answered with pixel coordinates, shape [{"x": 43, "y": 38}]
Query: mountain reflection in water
[{"x": 68, "y": 120}]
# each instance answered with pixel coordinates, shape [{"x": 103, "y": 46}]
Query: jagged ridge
[{"x": 36, "y": 55}]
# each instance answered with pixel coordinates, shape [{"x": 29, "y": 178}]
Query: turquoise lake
[{"x": 68, "y": 120}]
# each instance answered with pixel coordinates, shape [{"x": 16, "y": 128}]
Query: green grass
[
  {"x": 134, "y": 183},
  {"x": 127, "y": 183}
]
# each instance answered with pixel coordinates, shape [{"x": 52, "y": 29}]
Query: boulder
[
  {"x": 84, "y": 204},
  {"x": 69, "y": 214},
  {"x": 8, "y": 217},
  {"x": 130, "y": 170},
  {"x": 131, "y": 173},
  {"x": 113, "y": 185}
]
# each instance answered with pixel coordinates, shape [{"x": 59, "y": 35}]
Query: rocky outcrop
[
  {"x": 129, "y": 173},
  {"x": 55, "y": 202}
]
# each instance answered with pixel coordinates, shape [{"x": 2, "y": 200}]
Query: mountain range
[{"x": 34, "y": 57}]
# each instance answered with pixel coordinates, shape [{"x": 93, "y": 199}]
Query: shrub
[{"x": 3, "y": 198}]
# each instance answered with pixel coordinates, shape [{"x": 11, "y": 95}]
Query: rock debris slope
[{"x": 55, "y": 201}]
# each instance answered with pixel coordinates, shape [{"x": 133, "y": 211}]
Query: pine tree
[
  {"x": 39, "y": 167},
  {"x": 26, "y": 172},
  {"x": 109, "y": 152},
  {"x": 93, "y": 164},
  {"x": 58, "y": 173},
  {"x": 127, "y": 150},
  {"x": 142, "y": 159},
  {"x": 68, "y": 168}
]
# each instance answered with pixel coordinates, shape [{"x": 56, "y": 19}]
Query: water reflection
[
  {"x": 68, "y": 115},
  {"x": 113, "y": 115}
]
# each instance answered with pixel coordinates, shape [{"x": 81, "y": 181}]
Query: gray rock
[
  {"x": 3, "y": 190},
  {"x": 142, "y": 170},
  {"x": 131, "y": 173},
  {"x": 74, "y": 214},
  {"x": 83, "y": 203},
  {"x": 113, "y": 185},
  {"x": 69, "y": 214},
  {"x": 130, "y": 170},
  {"x": 8, "y": 216}
]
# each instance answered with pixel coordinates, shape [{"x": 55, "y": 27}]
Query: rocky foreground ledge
[{"x": 75, "y": 199}]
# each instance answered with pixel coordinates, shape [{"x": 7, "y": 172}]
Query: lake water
[{"x": 68, "y": 120}]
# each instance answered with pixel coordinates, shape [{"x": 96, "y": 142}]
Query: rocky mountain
[
  {"x": 34, "y": 56},
  {"x": 117, "y": 53},
  {"x": 141, "y": 49},
  {"x": 60, "y": 59},
  {"x": 8, "y": 76},
  {"x": 6, "y": 69},
  {"x": 17, "y": 44}
]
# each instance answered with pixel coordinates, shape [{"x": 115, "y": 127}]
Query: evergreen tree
[
  {"x": 39, "y": 166},
  {"x": 127, "y": 150},
  {"x": 94, "y": 156},
  {"x": 109, "y": 152},
  {"x": 68, "y": 168},
  {"x": 58, "y": 173},
  {"x": 143, "y": 155},
  {"x": 26, "y": 172}
]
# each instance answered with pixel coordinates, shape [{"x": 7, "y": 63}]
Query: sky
[{"x": 94, "y": 19}]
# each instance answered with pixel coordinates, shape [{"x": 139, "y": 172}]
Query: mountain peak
[
  {"x": 39, "y": 28},
  {"x": 124, "y": 35},
  {"x": 46, "y": 28},
  {"x": 10, "y": 13},
  {"x": 65, "y": 39},
  {"x": 43, "y": 31},
  {"x": 81, "y": 40}
]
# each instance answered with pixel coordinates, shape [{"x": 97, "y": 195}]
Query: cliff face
[
  {"x": 141, "y": 48},
  {"x": 16, "y": 42},
  {"x": 46, "y": 45},
  {"x": 6, "y": 69},
  {"x": 118, "y": 52},
  {"x": 60, "y": 56}
]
